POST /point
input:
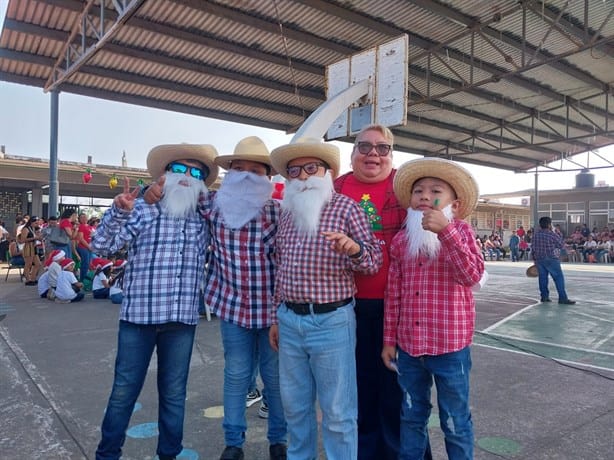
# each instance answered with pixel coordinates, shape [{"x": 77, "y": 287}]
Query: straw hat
[
  {"x": 305, "y": 147},
  {"x": 461, "y": 180},
  {"x": 532, "y": 271},
  {"x": 250, "y": 149},
  {"x": 159, "y": 157}
]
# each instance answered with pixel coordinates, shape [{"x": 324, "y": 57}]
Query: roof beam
[{"x": 74, "y": 52}]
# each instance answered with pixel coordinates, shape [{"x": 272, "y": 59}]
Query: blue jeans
[
  {"x": 552, "y": 266},
  {"x": 316, "y": 358},
  {"x": 451, "y": 374},
  {"x": 240, "y": 345},
  {"x": 135, "y": 345},
  {"x": 86, "y": 257}
]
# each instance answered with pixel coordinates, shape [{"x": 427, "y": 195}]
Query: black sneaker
[
  {"x": 278, "y": 452},
  {"x": 545, "y": 299},
  {"x": 252, "y": 398},
  {"x": 232, "y": 453},
  {"x": 567, "y": 302},
  {"x": 263, "y": 410}
]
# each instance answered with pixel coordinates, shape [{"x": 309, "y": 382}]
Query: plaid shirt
[
  {"x": 241, "y": 269},
  {"x": 166, "y": 262},
  {"x": 429, "y": 305},
  {"x": 309, "y": 271},
  {"x": 546, "y": 243}
]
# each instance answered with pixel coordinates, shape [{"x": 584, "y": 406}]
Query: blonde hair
[{"x": 383, "y": 130}]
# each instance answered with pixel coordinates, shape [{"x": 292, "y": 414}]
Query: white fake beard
[
  {"x": 305, "y": 201},
  {"x": 241, "y": 197},
  {"x": 421, "y": 242},
  {"x": 179, "y": 201}
]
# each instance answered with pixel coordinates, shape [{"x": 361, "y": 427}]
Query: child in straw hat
[{"x": 429, "y": 306}]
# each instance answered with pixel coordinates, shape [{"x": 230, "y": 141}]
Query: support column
[{"x": 54, "y": 191}]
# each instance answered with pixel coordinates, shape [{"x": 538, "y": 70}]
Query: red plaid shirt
[
  {"x": 309, "y": 270},
  {"x": 429, "y": 306},
  {"x": 241, "y": 268}
]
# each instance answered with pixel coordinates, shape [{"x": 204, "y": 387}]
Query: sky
[{"x": 105, "y": 129}]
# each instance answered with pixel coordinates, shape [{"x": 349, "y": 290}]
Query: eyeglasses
[
  {"x": 381, "y": 149},
  {"x": 309, "y": 168},
  {"x": 196, "y": 173}
]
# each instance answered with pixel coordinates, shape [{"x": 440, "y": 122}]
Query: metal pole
[
  {"x": 536, "y": 202},
  {"x": 53, "y": 156}
]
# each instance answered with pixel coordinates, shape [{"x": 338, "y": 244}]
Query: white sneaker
[
  {"x": 252, "y": 398},
  {"x": 61, "y": 301},
  {"x": 263, "y": 411}
]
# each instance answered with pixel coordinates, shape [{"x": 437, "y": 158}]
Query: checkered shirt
[
  {"x": 546, "y": 243},
  {"x": 429, "y": 307},
  {"x": 309, "y": 270},
  {"x": 166, "y": 262},
  {"x": 241, "y": 268}
]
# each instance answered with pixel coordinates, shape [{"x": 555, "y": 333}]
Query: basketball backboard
[{"x": 385, "y": 67}]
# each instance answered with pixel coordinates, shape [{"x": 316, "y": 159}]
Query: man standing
[
  {"x": 167, "y": 244},
  {"x": 240, "y": 282},
  {"x": 546, "y": 247},
  {"x": 323, "y": 238},
  {"x": 379, "y": 394}
]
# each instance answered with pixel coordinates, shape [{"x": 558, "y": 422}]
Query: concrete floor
[{"x": 542, "y": 378}]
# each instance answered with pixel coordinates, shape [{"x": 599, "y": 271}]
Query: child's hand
[
  {"x": 434, "y": 219},
  {"x": 389, "y": 356}
]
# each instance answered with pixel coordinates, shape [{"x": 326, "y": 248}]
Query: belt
[{"x": 305, "y": 308}]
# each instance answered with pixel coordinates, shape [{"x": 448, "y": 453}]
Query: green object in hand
[{"x": 436, "y": 202}]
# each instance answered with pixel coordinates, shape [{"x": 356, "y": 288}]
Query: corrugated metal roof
[{"x": 506, "y": 84}]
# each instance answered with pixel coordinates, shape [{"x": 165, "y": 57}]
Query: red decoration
[
  {"x": 278, "y": 191},
  {"x": 87, "y": 176}
]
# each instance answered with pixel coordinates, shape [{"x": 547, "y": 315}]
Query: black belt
[{"x": 305, "y": 308}]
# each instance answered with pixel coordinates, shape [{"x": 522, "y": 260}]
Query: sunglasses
[
  {"x": 381, "y": 149},
  {"x": 309, "y": 168},
  {"x": 196, "y": 173}
]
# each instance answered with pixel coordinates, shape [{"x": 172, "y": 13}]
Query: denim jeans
[
  {"x": 552, "y": 266},
  {"x": 240, "y": 344},
  {"x": 451, "y": 374},
  {"x": 135, "y": 344},
  {"x": 86, "y": 257},
  {"x": 316, "y": 359}
]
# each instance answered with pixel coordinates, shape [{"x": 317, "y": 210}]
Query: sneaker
[
  {"x": 263, "y": 410},
  {"x": 61, "y": 301},
  {"x": 252, "y": 398},
  {"x": 567, "y": 302},
  {"x": 51, "y": 294},
  {"x": 278, "y": 452},
  {"x": 232, "y": 453},
  {"x": 545, "y": 299}
]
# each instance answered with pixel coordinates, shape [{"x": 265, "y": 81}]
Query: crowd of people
[
  {"x": 310, "y": 290},
  {"x": 55, "y": 255}
]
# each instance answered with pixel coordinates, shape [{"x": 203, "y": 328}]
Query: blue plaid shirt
[{"x": 166, "y": 262}]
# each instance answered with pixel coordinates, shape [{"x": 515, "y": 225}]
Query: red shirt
[
  {"x": 386, "y": 217},
  {"x": 87, "y": 234},
  {"x": 429, "y": 306}
]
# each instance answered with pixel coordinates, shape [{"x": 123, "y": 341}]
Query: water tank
[{"x": 585, "y": 179}]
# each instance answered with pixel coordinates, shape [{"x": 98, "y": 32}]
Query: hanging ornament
[
  {"x": 278, "y": 191},
  {"x": 87, "y": 176},
  {"x": 113, "y": 181}
]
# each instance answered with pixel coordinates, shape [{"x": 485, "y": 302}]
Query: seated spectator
[
  {"x": 116, "y": 291},
  {"x": 100, "y": 284},
  {"x": 43, "y": 285},
  {"x": 524, "y": 249},
  {"x": 68, "y": 288},
  {"x": 15, "y": 254},
  {"x": 588, "y": 249},
  {"x": 491, "y": 249}
]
